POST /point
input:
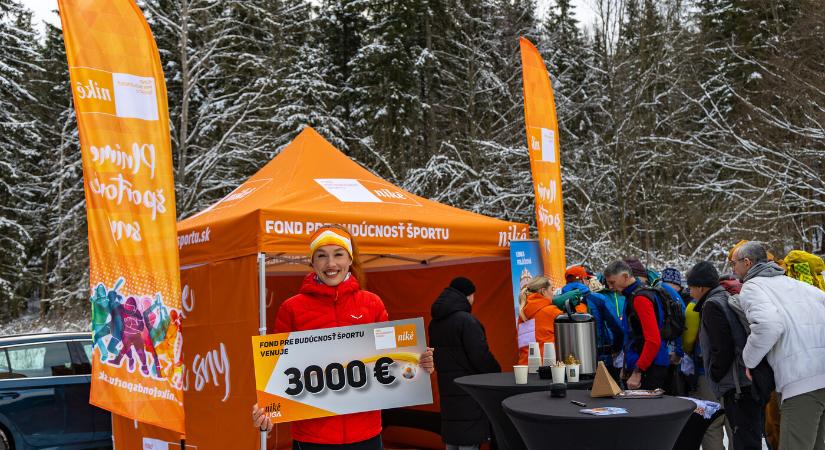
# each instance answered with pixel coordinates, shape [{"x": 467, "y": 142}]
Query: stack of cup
[
  {"x": 533, "y": 358},
  {"x": 549, "y": 355}
]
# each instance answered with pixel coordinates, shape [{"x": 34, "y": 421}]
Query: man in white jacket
[{"x": 787, "y": 322}]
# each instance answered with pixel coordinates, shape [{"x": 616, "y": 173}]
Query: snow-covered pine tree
[
  {"x": 303, "y": 82},
  {"x": 762, "y": 123},
  {"x": 217, "y": 59},
  {"x": 341, "y": 25},
  {"x": 18, "y": 141},
  {"x": 471, "y": 169},
  {"x": 60, "y": 272},
  {"x": 569, "y": 57},
  {"x": 386, "y": 81}
]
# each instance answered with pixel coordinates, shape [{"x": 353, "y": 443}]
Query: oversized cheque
[{"x": 332, "y": 371}]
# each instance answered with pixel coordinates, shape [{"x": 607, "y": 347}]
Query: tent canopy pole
[{"x": 262, "y": 312}]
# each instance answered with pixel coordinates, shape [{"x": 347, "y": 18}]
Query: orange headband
[{"x": 330, "y": 236}]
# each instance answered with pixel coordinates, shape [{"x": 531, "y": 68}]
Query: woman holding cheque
[{"x": 331, "y": 296}]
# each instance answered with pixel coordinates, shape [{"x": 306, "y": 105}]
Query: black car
[{"x": 44, "y": 393}]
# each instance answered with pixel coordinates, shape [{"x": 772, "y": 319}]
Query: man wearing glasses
[{"x": 787, "y": 320}]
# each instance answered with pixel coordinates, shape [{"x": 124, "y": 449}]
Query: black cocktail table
[
  {"x": 555, "y": 423},
  {"x": 490, "y": 389}
]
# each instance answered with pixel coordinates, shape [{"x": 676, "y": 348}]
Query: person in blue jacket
[
  {"x": 609, "y": 334},
  {"x": 670, "y": 279},
  {"x": 615, "y": 300}
]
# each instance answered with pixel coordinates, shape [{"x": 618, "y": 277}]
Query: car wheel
[{"x": 5, "y": 442}]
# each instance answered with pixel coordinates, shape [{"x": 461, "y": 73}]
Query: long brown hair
[{"x": 356, "y": 269}]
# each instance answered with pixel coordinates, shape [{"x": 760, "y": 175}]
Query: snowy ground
[
  {"x": 32, "y": 323},
  {"x": 764, "y": 445}
]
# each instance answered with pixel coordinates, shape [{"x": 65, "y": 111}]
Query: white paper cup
[
  {"x": 572, "y": 373},
  {"x": 549, "y": 355},
  {"x": 520, "y": 373},
  {"x": 558, "y": 374},
  {"x": 533, "y": 350}
]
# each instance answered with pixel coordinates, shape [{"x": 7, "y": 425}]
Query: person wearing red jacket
[
  {"x": 646, "y": 353},
  {"x": 331, "y": 296}
]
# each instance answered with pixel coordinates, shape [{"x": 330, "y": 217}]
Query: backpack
[
  {"x": 804, "y": 266},
  {"x": 762, "y": 379},
  {"x": 672, "y": 310}
]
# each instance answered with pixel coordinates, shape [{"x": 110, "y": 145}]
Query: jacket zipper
[
  {"x": 335, "y": 307},
  {"x": 338, "y": 324}
]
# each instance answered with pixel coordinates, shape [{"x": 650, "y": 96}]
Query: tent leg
[
  {"x": 262, "y": 312},
  {"x": 261, "y": 294}
]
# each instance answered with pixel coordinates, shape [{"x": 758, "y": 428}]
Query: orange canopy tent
[{"x": 247, "y": 253}]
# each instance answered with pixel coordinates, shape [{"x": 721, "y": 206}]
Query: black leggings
[{"x": 370, "y": 444}]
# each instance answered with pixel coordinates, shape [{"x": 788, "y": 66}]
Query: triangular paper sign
[{"x": 604, "y": 385}]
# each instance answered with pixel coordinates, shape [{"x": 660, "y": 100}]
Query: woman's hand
[
  {"x": 260, "y": 419},
  {"x": 426, "y": 361}
]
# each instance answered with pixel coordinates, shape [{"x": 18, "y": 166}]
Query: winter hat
[
  {"x": 577, "y": 273},
  {"x": 703, "y": 274},
  {"x": 330, "y": 236},
  {"x": 636, "y": 267},
  {"x": 671, "y": 275},
  {"x": 463, "y": 285}
]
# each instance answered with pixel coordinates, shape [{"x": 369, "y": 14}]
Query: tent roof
[{"x": 312, "y": 183}]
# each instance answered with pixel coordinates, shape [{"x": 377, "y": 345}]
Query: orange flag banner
[
  {"x": 120, "y": 100},
  {"x": 543, "y": 145}
]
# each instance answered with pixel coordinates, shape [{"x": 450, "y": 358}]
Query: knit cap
[
  {"x": 671, "y": 275},
  {"x": 636, "y": 267},
  {"x": 463, "y": 285},
  {"x": 330, "y": 236},
  {"x": 703, "y": 274}
]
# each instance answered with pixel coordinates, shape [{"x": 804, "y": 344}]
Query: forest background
[{"x": 685, "y": 125}]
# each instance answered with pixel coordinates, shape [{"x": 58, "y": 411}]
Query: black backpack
[
  {"x": 673, "y": 320},
  {"x": 763, "y": 382}
]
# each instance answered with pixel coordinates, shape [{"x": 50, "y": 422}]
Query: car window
[
  {"x": 5, "y": 371},
  {"x": 83, "y": 354},
  {"x": 40, "y": 360},
  {"x": 87, "y": 348}
]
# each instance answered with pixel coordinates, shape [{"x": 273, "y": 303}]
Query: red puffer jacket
[{"x": 320, "y": 306}]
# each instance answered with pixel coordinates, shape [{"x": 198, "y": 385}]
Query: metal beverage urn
[{"x": 576, "y": 335}]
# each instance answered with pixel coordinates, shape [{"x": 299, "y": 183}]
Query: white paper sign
[
  {"x": 348, "y": 190},
  {"x": 548, "y": 145},
  {"x": 333, "y": 371}
]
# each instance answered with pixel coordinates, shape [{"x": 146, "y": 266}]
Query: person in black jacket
[
  {"x": 461, "y": 349},
  {"x": 721, "y": 339}
]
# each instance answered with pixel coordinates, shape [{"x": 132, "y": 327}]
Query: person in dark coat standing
[
  {"x": 721, "y": 340},
  {"x": 460, "y": 349}
]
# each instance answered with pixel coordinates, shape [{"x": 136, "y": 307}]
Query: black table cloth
[
  {"x": 694, "y": 431},
  {"x": 490, "y": 389},
  {"x": 555, "y": 423}
]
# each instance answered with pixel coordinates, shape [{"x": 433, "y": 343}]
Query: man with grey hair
[
  {"x": 646, "y": 357},
  {"x": 787, "y": 324}
]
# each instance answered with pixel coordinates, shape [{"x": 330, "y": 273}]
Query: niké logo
[{"x": 90, "y": 89}]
